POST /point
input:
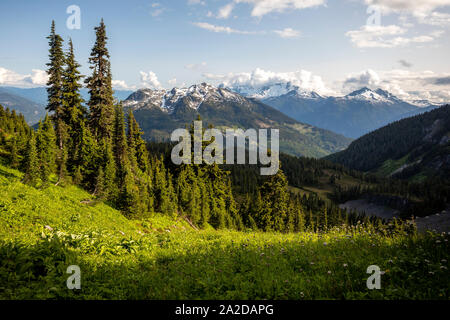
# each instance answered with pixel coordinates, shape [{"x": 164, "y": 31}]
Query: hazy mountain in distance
[
  {"x": 31, "y": 102},
  {"x": 39, "y": 94},
  {"x": 353, "y": 115},
  {"x": 31, "y": 110}
]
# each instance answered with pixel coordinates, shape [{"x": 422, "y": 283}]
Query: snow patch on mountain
[
  {"x": 167, "y": 100},
  {"x": 274, "y": 90}
]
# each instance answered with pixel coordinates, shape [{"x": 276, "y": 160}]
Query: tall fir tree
[
  {"x": 55, "y": 73},
  {"x": 73, "y": 111},
  {"x": 101, "y": 102}
]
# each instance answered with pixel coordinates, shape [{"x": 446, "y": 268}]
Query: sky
[{"x": 329, "y": 46}]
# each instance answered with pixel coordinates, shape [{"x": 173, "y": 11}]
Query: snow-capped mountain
[
  {"x": 159, "y": 112},
  {"x": 352, "y": 115},
  {"x": 274, "y": 90},
  {"x": 378, "y": 96},
  {"x": 168, "y": 100}
]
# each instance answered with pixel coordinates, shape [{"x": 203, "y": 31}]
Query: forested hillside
[{"x": 412, "y": 147}]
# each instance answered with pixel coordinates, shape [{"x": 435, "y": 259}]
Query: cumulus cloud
[
  {"x": 37, "y": 78},
  {"x": 373, "y": 36},
  {"x": 288, "y": 33},
  {"x": 121, "y": 85},
  {"x": 416, "y": 7},
  {"x": 367, "y": 78},
  {"x": 259, "y": 78},
  {"x": 405, "y": 84},
  {"x": 150, "y": 80},
  {"x": 263, "y": 7},
  {"x": 423, "y": 10}
]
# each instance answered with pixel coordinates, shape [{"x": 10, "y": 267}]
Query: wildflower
[
  {"x": 312, "y": 263},
  {"x": 390, "y": 261},
  {"x": 329, "y": 272},
  {"x": 325, "y": 243},
  {"x": 345, "y": 265}
]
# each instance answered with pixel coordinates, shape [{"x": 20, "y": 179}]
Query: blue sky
[{"x": 323, "y": 45}]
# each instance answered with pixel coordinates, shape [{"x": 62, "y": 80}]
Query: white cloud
[
  {"x": 259, "y": 78},
  {"x": 220, "y": 29},
  {"x": 225, "y": 11},
  {"x": 37, "y": 78},
  {"x": 405, "y": 84},
  {"x": 368, "y": 78},
  {"x": 435, "y": 19},
  {"x": 372, "y": 36},
  {"x": 263, "y": 7},
  {"x": 288, "y": 33},
  {"x": 423, "y": 10},
  {"x": 415, "y": 7},
  {"x": 150, "y": 80},
  {"x": 122, "y": 85}
]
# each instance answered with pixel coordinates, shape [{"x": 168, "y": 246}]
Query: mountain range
[
  {"x": 352, "y": 115},
  {"x": 159, "y": 112}
]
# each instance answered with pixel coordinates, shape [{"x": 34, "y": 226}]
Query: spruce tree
[
  {"x": 73, "y": 111},
  {"x": 101, "y": 102},
  {"x": 55, "y": 73}
]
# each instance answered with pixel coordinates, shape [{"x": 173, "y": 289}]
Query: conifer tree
[
  {"x": 101, "y": 102},
  {"x": 55, "y": 73},
  {"x": 73, "y": 111}
]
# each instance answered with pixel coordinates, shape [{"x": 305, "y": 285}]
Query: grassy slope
[
  {"x": 164, "y": 259},
  {"x": 324, "y": 189}
]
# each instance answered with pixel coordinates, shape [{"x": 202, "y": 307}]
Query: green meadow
[{"x": 43, "y": 231}]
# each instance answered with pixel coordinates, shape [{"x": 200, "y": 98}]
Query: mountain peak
[
  {"x": 273, "y": 90},
  {"x": 168, "y": 100},
  {"x": 375, "y": 97}
]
